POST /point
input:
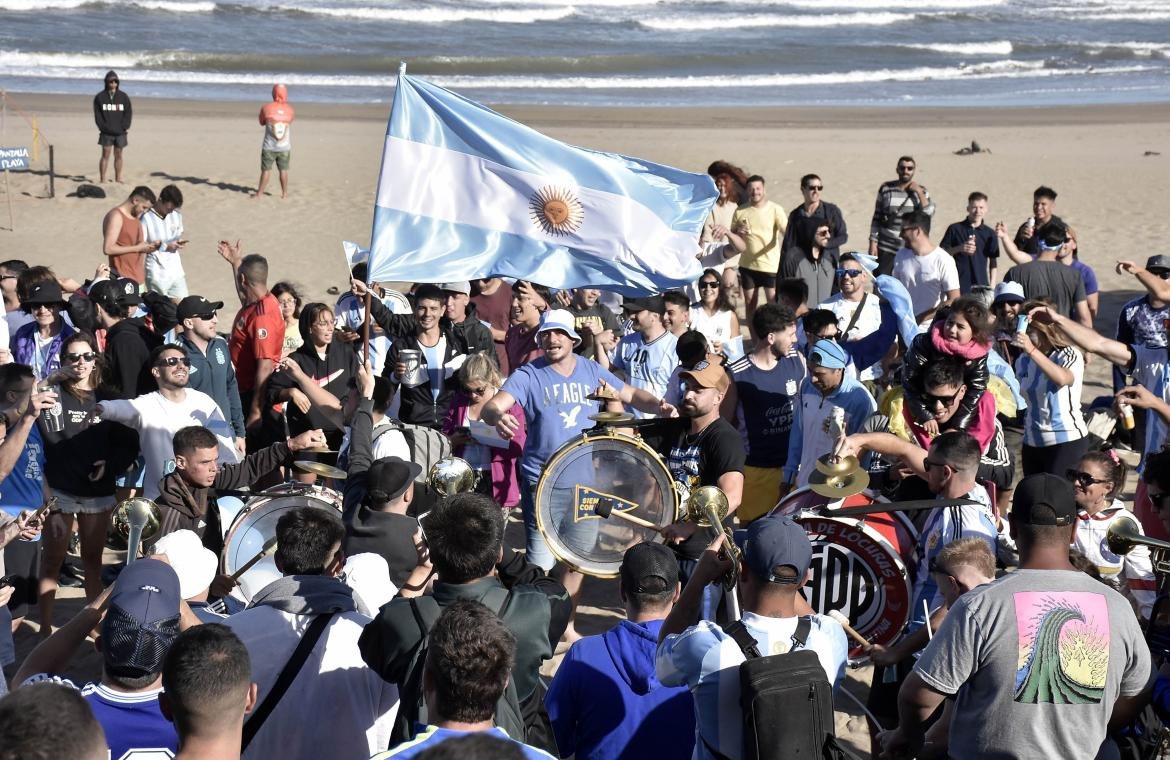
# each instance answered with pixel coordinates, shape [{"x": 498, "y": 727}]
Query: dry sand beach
[{"x": 1095, "y": 157}]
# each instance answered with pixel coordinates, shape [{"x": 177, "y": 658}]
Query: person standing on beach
[
  {"x": 758, "y": 228},
  {"x": 895, "y": 199},
  {"x": 813, "y": 207},
  {"x": 111, "y": 113},
  {"x": 122, "y": 238},
  {"x": 276, "y": 118},
  {"x": 974, "y": 245}
]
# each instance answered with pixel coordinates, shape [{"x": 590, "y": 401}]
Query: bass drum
[
  {"x": 859, "y": 564},
  {"x": 614, "y": 470},
  {"x": 256, "y": 523}
]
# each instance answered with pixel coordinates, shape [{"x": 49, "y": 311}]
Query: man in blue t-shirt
[
  {"x": 647, "y": 355},
  {"x": 553, "y": 391},
  {"x": 973, "y": 244}
]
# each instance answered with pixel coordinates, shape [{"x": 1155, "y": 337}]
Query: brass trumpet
[
  {"x": 707, "y": 507},
  {"x": 132, "y": 522},
  {"x": 452, "y": 475},
  {"x": 1124, "y": 535}
]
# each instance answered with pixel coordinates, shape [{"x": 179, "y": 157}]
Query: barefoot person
[
  {"x": 111, "y": 113},
  {"x": 276, "y": 118}
]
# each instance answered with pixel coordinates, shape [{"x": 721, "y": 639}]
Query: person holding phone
[{"x": 162, "y": 224}]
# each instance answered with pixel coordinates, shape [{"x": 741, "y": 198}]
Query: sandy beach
[{"x": 1095, "y": 157}]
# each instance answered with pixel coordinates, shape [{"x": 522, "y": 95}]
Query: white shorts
[{"x": 166, "y": 281}]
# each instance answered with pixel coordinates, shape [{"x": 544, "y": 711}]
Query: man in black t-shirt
[
  {"x": 594, "y": 322},
  {"x": 707, "y": 452},
  {"x": 973, "y": 244}
]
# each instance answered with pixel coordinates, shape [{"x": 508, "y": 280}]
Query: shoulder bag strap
[
  {"x": 286, "y": 677},
  {"x": 746, "y": 641},
  {"x": 800, "y": 635},
  {"x": 856, "y": 316}
]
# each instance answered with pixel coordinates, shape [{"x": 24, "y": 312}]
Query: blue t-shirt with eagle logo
[{"x": 555, "y": 406}]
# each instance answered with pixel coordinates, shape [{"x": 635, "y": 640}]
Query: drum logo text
[{"x": 586, "y": 500}]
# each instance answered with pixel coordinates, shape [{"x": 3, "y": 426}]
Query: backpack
[
  {"x": 411, "y": 707},
  {"x": 787, "y": 701}
]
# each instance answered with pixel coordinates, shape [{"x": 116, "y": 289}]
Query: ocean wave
[
  {"x": 1007, "y": 69},
  {"x": 721, "y": 23},
  {"x": 903, "y": 5},
  {"x": 443, "y": 15},
  {"x": 173, "y": 6},
  {"x": 999, "y": 47},
  {"x": 1152, "y": 15}
]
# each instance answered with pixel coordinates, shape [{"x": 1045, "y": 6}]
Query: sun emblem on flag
[{"x": 556, "y": 210}]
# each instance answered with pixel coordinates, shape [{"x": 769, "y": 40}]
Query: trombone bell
[
  {"x": 132, "y": 522},
  {"x": 1124, "y": 535},
  {"x": 452, "y": 475}
]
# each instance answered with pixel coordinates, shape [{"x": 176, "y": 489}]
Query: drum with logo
[
  {"x": 256, "y": 523},
  {"x": 859, "y": 564},
  {"x": 597, "y": 474}
]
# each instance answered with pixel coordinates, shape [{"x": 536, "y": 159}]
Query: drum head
[
  {"x": 255, "y": 525},
  {"x": 857, "y": 571},
  {"x": 617, "y": 472}
]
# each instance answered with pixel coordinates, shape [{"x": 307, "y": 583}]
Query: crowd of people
[{"x": 405, "y": 619}]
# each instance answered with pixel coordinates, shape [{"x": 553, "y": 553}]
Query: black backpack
[
  {"x": 411, "y": 707},
  {"x": 787, "y": 701}
]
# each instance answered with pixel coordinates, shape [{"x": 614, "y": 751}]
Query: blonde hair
[
  {"x": 1053, "y": 334},
  {"x": 482, "y": 367},
  {"x": 972, "y": 552}
]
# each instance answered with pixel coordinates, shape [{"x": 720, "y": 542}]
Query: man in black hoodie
[
  {"x": 461, "y": 311},
  {"x": 111, "y": 113},
  {"x": 128, "y": 340}
]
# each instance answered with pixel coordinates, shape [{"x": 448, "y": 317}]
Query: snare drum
[
  {"x": 256, "y": 523},
  {"x": 617, "y": 469},
  {"x": 859, "y": 564}
]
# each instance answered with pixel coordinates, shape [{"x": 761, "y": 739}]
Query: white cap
[{"x": 192, "y": 562}]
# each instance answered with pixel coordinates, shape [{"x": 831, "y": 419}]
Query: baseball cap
[
  {"x": 829, "y": 355},
  {"x": 709, "y": 373},
  {"x": 456, "y": 287},
  {"x": 44, "y": 293},
  {"x": 194, "y": 563},
  {"x": 392, "y": 476},
  {"x": 777, "y": 541},
  {"x": 649, "y": 568},
  {"x": 1044, "y": 499},
  {"x": 1159, "y": 263},
  {"x": 691, "y": 347},
  {"x": 559, "y": 319},
  {"x": 1008, "y": 292},
  {"x": 115, "y": 293},
  {"x": 649, "y": 303},
  {"x": 142, "y": 619},
  {"x": 196, "y": 306}
]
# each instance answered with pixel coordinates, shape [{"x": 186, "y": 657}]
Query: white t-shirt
[
  {"x": 927, "y": 278},
  {"x": 868, "y": 322},
  {"x": 157, "y": 420}
]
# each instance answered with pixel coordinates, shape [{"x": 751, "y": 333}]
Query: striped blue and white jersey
[
  {"x": 1054, "y": 412},
  {"x": 706, "y": 659},
  {"x": 1149, "y": 369}
]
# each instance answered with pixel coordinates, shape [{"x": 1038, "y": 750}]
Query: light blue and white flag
[
  {"x": 354, "y": 254},
  {"x": 466, "y": 193}
]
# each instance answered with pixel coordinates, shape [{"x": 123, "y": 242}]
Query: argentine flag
[{"x": 466, "y": 193}]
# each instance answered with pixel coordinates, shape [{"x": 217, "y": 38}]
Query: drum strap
[{"x": 286, "y": 677}]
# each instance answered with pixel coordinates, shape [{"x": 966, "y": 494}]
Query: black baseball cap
[
  {"x": 776, "y": 541},
  {"x": 655, "y": 304},
  {"x": 47, "y": 292},
  {"x": 392, "y": 476},
  {"x": 1159, "y": 263},
  {"x": 115, "y": 293},
  {"x": 1044, "y": 499},
  {"x": 197, "y": 306},
  {"x": 649, "y": 569},
  {"x": 142, "y": 620}
]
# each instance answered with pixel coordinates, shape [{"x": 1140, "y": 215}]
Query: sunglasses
[
  {"x": 930, "y": 399},
  {"x": 1083, "y": 479},
  {"x": 929, "y": 465},
  {"x": 172, "y": 361},
  {"x": 204, "y": 317},
  {"x": 708, "y": 284},
  {"x": 87, "y": 356},
  {"x": 850, "y": 273},
  {"x": 475, "y": 391},
  {"x": 906, "y": 168},
  {"x": 818, "y": 188}
]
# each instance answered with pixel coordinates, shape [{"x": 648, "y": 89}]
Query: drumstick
[
  {"x": 269, "y": 548},
  {"x": 605, "y": 508},
  {"x": 844, "y": 621}
]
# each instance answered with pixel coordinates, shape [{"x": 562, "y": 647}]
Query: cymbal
[
  {"x": 606, "y": 417},
  {"x": 830, "y": 465},
  {"x": 838, "y": 486},
  {"x": 609, "y": 395},
  {"x": 318, "y": 450},
  {"x": 319, "y": 468}
]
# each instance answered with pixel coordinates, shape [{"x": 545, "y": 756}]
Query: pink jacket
[{"x": 505, "y": 483}]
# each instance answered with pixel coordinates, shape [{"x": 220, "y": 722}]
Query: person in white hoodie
[{"x": 334, "y": 705}]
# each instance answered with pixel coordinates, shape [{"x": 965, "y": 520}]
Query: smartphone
[{"x": 9, "y": 580}]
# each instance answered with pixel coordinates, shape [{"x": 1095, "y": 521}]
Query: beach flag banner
[
  {"x": 354, "y": 254},
  {"x": 466, "y": 193}
]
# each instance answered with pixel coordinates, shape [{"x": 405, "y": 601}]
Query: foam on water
[{"x": 719, "y": 24}]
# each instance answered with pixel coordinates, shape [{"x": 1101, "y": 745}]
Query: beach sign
[{"x": 13, "y": 159}]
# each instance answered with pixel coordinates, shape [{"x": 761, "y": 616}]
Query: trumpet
[
  {"x": 452, "y": 475},
  {"x": 707, "y": 507},
  {"x": 1124, "y": 536},
  {"x": 133, "y": 521}
]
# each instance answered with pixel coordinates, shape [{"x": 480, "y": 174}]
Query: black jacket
[
  {"x": 128, "y": 347},
  {"x": 476, "y": 335},
  {"x": 112, "y": 115},
  {"x": 339, "y": 366}
]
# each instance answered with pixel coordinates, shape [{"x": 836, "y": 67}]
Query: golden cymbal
[
  {"x": 318, "y": 450},
  {"x": 830, "y": 465},
  {"x": 319, "y": 468},
  {"x": 609, "y": 394},
  {"x": 610, "y": 417},
  {"x": 838, "y": 486}
]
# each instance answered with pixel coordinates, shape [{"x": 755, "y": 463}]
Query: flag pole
[{"x": 366, "y": 328}]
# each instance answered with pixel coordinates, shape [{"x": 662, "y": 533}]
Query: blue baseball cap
[
  {"x": 559, "y": 319},
  {"x": 142, "y": 620},
  {"x": 777, "y": 541},
  {"x": 829, "y": 355}
]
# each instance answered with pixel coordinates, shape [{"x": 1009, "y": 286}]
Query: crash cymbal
[
  {"x": 610, "y": 417},
  {"x": 831, "y": 465},
  {"x": 838, "y": 486},
  {"x": 319, "y": 468},
  {"x": 609, "y": 394},
  {"x": 318, "y": 450}
]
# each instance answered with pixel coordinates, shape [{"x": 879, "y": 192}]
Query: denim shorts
[{"x": 84, "y": 505}]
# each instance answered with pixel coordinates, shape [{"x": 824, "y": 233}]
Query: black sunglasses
[
  {"x": 850, "y": 273},
  {"x": 1083, "y": 479},
  {"x": 87, "y": 356},
  {"x": 930, "y": 399},
  {"x": 172, "y": 361},
  {"x": 818, "y": 188},
  {"x": 707, "y": 284}
]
